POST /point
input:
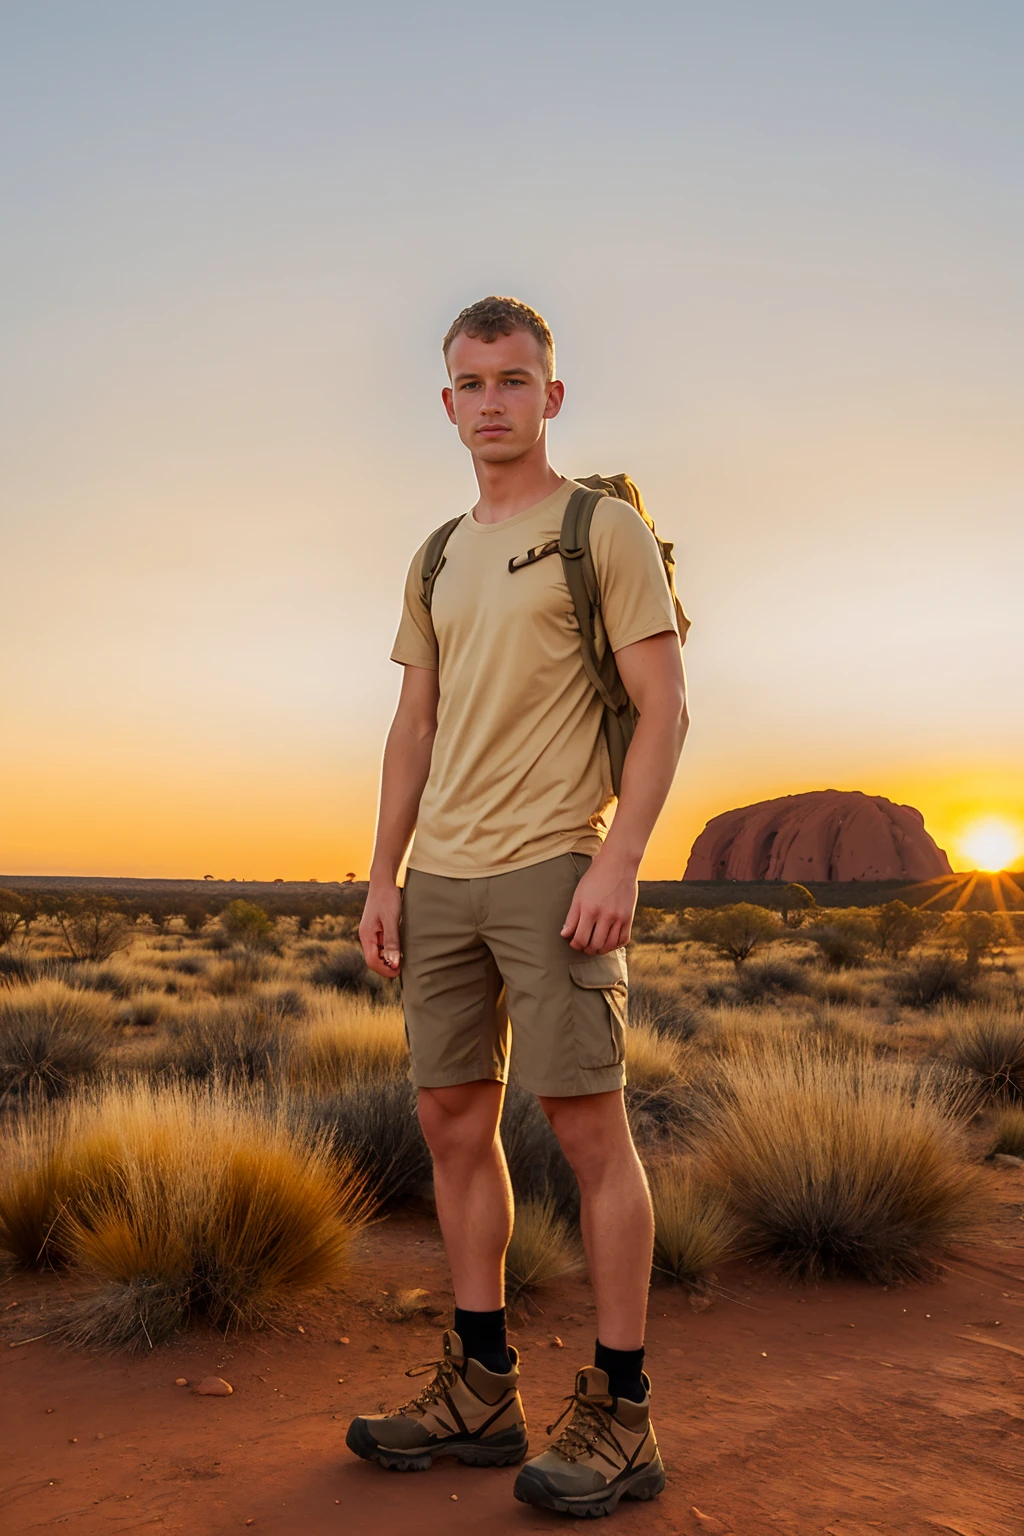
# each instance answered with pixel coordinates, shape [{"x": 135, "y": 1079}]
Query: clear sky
[{"x": 780, "y": 246}]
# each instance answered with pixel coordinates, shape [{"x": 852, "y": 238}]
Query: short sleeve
[
  {"x": 636, "y": 602},
  {"x": 416, "y": 643}
]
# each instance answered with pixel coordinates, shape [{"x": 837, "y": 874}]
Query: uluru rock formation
[{"x": 827, "y": 834}]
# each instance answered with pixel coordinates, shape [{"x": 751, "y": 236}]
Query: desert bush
[
  {"x": 837, "y": 1162},
  {"x": 793, "y": 903},
  {"x": 658, "y": 1072},
  {"x": 664, "y": 1008},
  {"x": 17, "y": 968},
  {"x": 344, "y": 969},
  {"x": 941, "y": 977},
  {"x": 1008, "y": 1131},
  {"x": 734, "y": 931},
  {"x": 543, "y": 1250},
  {"x": 12, "y": 915},
  {"x": 990, "y": 1047},
  {"x": 200, "y": 1203},
  {"x": 840, "y": 988},
  {"x": 247, "y": 925},
  {"x": 694, "y": 1228},
  {"x": 652, "y": 926},
  {"x": 143, "y": 1011},
  {"x": 345, "y": 1040},
  {"x": 373, "y": 1125},
  {"x": 843, "y": 939},
  {"x": 241, "y": 969},
  {"x": 51, "y": 1037},
  {"x": 245, "y": 1039},
  {"x": 93, "y": 927},
  {"x": 765, "y": 981},
  {"x": 898, "y": 928},
  {"x": 976, "y": 934}
]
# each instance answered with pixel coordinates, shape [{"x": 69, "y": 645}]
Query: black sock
[
  {"x": 483, "y": 1339},
  {"x": 624, "y": 1367}
]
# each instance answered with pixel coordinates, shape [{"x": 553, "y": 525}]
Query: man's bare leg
[
  {"x": 471, "y": 1182},
  {"x": 615, "y": 1210}
]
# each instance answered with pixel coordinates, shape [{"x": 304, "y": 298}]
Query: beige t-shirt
[{"x": 519, "y": 771}]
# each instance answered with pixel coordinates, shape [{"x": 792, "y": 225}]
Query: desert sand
[{"x": 844, "y": 1409}]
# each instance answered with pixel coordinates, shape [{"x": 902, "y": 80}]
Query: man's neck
[{"x": 506, "y": 489}]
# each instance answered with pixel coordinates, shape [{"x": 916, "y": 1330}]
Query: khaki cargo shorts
[{"x": 479, "y": 953}]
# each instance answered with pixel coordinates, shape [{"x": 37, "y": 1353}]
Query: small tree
[
  {"x": 246, "y": 924},
  {"x": 93, "y": 927},
  {"x": 898, "y": 928},
  {"x": 792, "y": 902},
  {"x": 735, "y": 931},
  {"x": 977, "y": 934},
  {"x": 12, "y": 916},
  {"x": 844, "y": 938}
]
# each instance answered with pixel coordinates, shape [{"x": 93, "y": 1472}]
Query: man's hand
[
  {"x": 378, "y": 929},
  {"x": 601, "y": 915}
]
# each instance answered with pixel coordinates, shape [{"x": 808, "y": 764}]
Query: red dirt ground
[{"x": 845, "y": 1410}]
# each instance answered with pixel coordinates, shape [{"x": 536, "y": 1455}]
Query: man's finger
[
  {"x": 572, "y": 920},
  {"x": 390, "y": 948},
  {"x": 584, "y": 929}
]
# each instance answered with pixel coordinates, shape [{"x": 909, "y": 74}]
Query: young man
[{"x": 517, "y": 904}]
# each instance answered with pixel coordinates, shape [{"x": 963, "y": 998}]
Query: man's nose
[{"x": 492, "y": 401}]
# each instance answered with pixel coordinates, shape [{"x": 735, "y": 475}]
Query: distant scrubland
[{"x": 201, "y": 1109}]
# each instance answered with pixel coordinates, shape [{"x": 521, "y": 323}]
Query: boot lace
[
  {"x": 587, "y": 1430},
  {"x": 444, "y": 1379}
]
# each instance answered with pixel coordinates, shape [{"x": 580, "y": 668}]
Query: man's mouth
[{"x": 491, "y": 431}]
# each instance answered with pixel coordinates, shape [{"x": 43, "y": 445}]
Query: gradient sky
[{"x": 780, "y": 246}]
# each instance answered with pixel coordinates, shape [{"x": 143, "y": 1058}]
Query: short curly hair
[{"x": 494, "y": 316}]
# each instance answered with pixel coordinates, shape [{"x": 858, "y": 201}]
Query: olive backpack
[{"x": 573, "y": 545}]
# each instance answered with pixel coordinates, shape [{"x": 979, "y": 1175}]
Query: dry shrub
[
  {"x": 991, "y": 1049},
  {"x": 766, "y": 981},
  {"x": 1008, "y": 1132},
  {"x": 658, "y": 1074},
  {"x": 244, "y": 1038},
  {"x": 344, "y": 969},
  {"x": 51, "y": 1037},
  {"x": 374, "y": 1126},
  {"x": 941, "y": 977},
  {"x": 192, "y": 1202},
  {"x": 543, "y": 1250},
  {"x": 694, "y": 1227},
  {"x": 660, "y": 1004},
  {"x": 837, "y": 1162},
  {"x": 346, "y": 1040}
]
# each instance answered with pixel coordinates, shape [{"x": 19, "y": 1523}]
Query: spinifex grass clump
[
  {"x": 346, "y": 1040},
  {"x": 373, "y": 1125},
  {"x": 694, "y": 1227},
  {"x": 183, "y": 1202},
  {"x": 837, "y": 1162},
  {"x": 1008, "y": 1131},
  {"x": 51, "y": 1037},
  {"x": 543, "y": 1250},
  {"x": 991, "y": 1048}
]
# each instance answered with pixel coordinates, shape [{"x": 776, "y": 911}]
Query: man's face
[{"x": 500, "y": 396}]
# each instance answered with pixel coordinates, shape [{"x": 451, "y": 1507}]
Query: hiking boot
[
  {"x": 465, "y": 1412},
  {"x": 605, "y": 1453}
]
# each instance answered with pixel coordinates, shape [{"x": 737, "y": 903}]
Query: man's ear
[
  {"x": 449, "y": 403},
  {"x": 556, "y": 394}
]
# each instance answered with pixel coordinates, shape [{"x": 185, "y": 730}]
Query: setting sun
[{"x": 992, "y": 844}]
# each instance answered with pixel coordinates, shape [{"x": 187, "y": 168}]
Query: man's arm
[
  {"x": 403, "y": 777},
  {"x": 601, "y": 914}
]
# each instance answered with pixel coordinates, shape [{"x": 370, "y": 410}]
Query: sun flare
[{"x": 992, "y": 844}]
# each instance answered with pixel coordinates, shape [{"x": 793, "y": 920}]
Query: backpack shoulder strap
[
  {"x": 434, "y": 558},
  {"x": 581, "y": 579}
]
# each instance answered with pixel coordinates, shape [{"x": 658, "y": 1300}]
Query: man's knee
[
  {"x": 460, "y": 1121},
  {"x": 591, "y": 1131}
]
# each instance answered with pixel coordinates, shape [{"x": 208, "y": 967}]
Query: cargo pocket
[{"x": 600, "y": 1020}]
